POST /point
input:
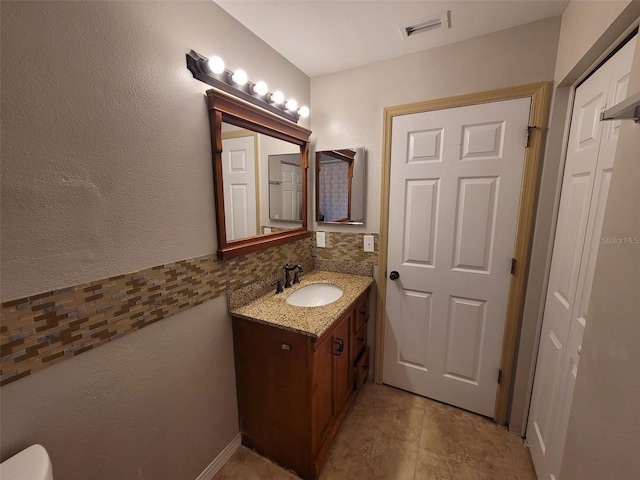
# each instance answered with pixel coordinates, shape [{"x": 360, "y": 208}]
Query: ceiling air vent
[{"x": 441, "y": 20}]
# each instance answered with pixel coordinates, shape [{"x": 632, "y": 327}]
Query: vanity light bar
[{"x": 213, "y": 72}]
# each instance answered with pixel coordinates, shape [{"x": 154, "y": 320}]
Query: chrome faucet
[{"x": 287, "y": 279}]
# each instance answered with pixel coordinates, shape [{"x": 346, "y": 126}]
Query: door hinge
[
  {"x": 529, "y": 128},
  {"x": 499, "y": 376},
  {"x": 513, "y": 266}
]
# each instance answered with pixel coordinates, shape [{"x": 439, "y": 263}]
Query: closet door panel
[{"x": 585, "y": 188}]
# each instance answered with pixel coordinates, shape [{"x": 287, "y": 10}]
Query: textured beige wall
[
  {"x": 604, "y": 427},
  {"x": 106, "y": 156},
  {"x": 158, "y": 404},
  {"x": 347, "y": 106},
  {"x": 584, "y": 33},
  {"x": 106, "y": 169}
]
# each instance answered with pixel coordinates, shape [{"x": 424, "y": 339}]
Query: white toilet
[{"x": 32, "y": 463}]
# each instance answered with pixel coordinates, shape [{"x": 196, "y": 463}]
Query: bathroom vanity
[{"x": 298, "y": 370}]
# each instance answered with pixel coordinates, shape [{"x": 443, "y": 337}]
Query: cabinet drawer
[
  {"x": 362, "y": 368},
  {"x": 360, "y": 340},
  {"x": 361, "y": 313}
]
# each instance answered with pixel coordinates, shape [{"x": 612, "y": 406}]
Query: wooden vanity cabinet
[{"x": 294, "y": 390}]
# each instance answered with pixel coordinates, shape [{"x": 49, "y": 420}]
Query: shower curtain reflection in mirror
[{"x": 340, "y": 185}]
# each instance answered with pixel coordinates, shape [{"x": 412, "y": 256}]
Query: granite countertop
[{"x": 273, "y": 309}]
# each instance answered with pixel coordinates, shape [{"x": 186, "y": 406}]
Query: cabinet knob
[
  {"x": 286, "y": 347},
  {"x": 340, "y": 346}
]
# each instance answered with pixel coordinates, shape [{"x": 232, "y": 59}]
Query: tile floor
[{"x": 394, "y": 435}]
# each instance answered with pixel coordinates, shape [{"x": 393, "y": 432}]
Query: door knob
[{"x": 394, "y": 275}]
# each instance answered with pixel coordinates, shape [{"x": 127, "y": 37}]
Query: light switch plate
[
  {"x": 368, "y": 243},
  {"x": 320, "y": 240}
]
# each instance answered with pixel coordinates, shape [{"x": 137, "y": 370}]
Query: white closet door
[{"x": 585, "y": 187}]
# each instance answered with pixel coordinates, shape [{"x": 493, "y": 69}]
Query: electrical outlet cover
[
  {"x": 368, "y": 243},
  {"x": 320, "y": 240}
]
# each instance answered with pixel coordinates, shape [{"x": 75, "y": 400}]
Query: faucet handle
[
  {"x": 298, "y": 271},
  {"x": 288, "y": 268},
  {"x": 279, "y": 288}
]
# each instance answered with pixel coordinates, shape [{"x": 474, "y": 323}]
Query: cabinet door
[
  {"x": 342, "y": 366},
  {"x": 273, "y": 392},
  {"x": 322, "y": 391}
]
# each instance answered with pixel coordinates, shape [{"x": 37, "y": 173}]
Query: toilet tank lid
[{"x": 31, "y": 463}]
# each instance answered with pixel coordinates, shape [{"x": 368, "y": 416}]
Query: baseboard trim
[{"x": 222, "y": 458}]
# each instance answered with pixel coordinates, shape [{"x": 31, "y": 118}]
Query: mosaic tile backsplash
[
  {"x": 40, "y": 330},
  {"x": 44, "y": 329},
  {"x": 340, "y": 245}
]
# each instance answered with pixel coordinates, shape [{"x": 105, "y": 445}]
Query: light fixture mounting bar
[{"x": 196, "y": 64}]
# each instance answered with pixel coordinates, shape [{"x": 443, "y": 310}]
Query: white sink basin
[{"x": 315, "y": 295}]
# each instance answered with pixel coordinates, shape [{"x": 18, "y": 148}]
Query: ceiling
[{"x": 322, "y": 36}]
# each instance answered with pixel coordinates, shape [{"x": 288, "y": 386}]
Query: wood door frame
[{"x": 540, "y": 99}]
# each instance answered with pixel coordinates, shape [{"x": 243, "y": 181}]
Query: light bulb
[
  {"x": 277, "y": 97},
  {"x": 261, "y": 88},
  {"x": 304, "y": 112},
  {"x": 216, "y": 65},
  {"x": 240, "y": 77},
  {"x": 291, "y": 105}
]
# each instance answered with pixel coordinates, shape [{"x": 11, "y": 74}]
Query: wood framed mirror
[{"x": 243, "y": 136}]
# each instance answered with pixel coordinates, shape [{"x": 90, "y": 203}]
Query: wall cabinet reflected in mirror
[{"x": 340, "y": 186}]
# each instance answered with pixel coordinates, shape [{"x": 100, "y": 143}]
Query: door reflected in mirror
[
  {"x": 285, "y": 187},
  {"x": 247, "y": 170},
  {"x": 340, "y": 186}
]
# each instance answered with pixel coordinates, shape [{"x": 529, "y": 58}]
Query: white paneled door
[
  {"x": 239, "y": 173},
  {"x": 291, "y": 192},
  {"x": 585, "y": 188},
  {"x": 455, "y": 188}
]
